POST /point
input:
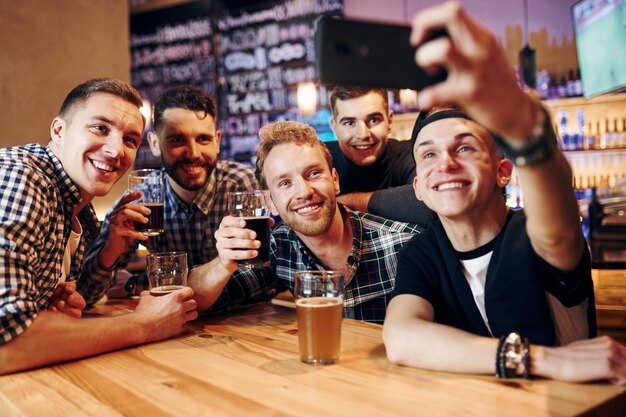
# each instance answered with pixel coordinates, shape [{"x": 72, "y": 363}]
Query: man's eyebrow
[
  {"x": 458, "y": 136},
  {"x": 108, "y": 121}
]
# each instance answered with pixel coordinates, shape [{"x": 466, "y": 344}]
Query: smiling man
[
  {"x": 196, "y": 184},
  {"x": 369, "y": 162},
  {"x": 486, "y": 289},
  {"x": 46, "y": 220},
  {"x": 316, "y": 233}
]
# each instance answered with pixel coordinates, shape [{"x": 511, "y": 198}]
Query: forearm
[
  {"x": 208, "y": 282},
  {"x": 55, "y": 337},
  {"x": 356, "y": 201},
  {"x": 428, "y": 345},
  {"x": 553, "y": 219}
]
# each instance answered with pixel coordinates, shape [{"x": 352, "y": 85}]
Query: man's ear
[
  {"x": 505, "y": 170},
  {"x": 57, "y": 130},
  {"x": 153, "y": 141},
  {"x": 333, "y": 125},
  {"x": 416, "y": 189},
  {"x": 271, "y": 205},
  {"x": 218, "y": 139},
  {"x": 390, "y": 119},
  {"x": 336, "y": 181}
]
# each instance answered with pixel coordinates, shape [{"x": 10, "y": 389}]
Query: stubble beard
[
  {"x": 173, "y": 170},
  {"x": 312, "y": 228}
]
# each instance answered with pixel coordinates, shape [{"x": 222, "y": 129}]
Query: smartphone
[{"x": 368, "y": 54}]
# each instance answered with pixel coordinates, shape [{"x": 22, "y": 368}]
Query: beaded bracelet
[{"x": 513, "y": 350}]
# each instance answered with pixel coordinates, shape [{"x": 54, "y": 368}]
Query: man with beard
[
  {"x": 196, "y": 185},
  {"x": 316, "y": 233}
]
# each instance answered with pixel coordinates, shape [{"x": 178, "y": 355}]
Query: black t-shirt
[
  {"x": 394, "y": 167},
  {"x": 517, "y": 279}
]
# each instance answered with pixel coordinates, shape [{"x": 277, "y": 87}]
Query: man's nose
[
  {"x": 191, "y": 150},
  {"x": 303, "y": 188},
  {"x": 363, "y": 130},
  {"x": 448, "y": 161},
  {"x": 114, "y": 144}
]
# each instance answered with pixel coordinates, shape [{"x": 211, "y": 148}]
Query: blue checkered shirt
[
  {"x": 372, "y": 260},
  {"x": 36, "y": 206},
  {"x": 188, "y": 227}
]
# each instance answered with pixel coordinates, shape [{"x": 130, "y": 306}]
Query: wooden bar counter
[{"x": 246, "y": 364}]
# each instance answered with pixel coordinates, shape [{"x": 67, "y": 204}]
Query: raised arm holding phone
[{"x": 487, "y": 290}]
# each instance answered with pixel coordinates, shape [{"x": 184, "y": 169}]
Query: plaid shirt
[
  {"x": 188, "y": 227},
  {"x": 36, "y": 206},
  {"x": 372, "y": 260}
]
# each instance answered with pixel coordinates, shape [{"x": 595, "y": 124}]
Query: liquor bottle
[
  {"x": 622, "y": 135},
  {"x": 578, "y": 85},
  {"x": 570, "y": 84},
  {"x": 606, "y": 136},
  {"x": 594, "y": 213},
  {"x": 590, "y": 138}
]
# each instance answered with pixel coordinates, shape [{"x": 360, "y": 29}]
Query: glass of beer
[
  {"x": 150, "y": 183},
  {"x": 167, "y": 272},
  {"x": 319, "y": 307},
  {"x": 253, "y": 207}
]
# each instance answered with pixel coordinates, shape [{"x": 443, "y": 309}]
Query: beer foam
[{"x": 313, "y": 302}]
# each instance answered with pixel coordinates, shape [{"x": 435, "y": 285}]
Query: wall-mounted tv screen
[{"x": 600, "y": 31}]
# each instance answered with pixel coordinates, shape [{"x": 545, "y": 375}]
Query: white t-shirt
[{"x": 70, "y": 250}]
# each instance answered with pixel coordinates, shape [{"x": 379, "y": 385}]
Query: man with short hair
[
  {"x": 46, "y": 220},
  {"x": 196, "y": 184},
  {"x": 486, "y": 289},
  {"x": 316, "y": 233},
  {"x": 367, "y": 160}
]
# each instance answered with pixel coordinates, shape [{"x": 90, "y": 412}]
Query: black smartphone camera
[{"x": 368, "y": 54}]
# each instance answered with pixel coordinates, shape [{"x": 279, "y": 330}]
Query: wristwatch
[{"x": 541, "y": 145}]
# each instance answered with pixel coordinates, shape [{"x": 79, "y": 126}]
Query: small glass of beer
[
  {"x": 150, "y": 183},
  {"x": 253, "y": 207},
  {"x": 167, "y": 272},
  {"x": 319, "y": 308}
]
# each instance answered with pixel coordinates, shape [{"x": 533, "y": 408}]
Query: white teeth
[
  {"x": 449, "y": 186},
  {"x": 307, "y": 209},
  {"x": 102, "y": 166},
  {"x": 363, "y": 147},
  {"x": 192, "y": 168}
]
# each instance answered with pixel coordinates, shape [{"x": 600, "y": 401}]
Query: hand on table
[
  {"x": 166, "y": 315},
  {"x": 600, "y": 358}
]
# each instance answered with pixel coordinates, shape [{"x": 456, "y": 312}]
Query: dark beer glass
[
  {"x": 150, "y": 183},
  {"x": 253, "y": 207}
]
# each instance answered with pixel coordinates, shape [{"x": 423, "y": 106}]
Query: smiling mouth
[
  {"x": 102, "y": 166},
  {"x": 363, "y": 147},
  {"x": 450, "y": 186},
  {"x": 192, "y": 168},
  {"x": 307, "y": 209}
]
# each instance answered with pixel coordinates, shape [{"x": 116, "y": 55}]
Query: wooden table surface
[{"x": 247, "y": 364}]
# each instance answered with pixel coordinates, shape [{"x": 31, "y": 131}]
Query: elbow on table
[{"x": 395, "y": 344}]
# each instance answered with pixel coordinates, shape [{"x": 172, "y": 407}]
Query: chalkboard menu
[
  {"x": 263, "y": 53},
  {"x": 250, "y": 59},
  {"x": 170, "y": 47}
]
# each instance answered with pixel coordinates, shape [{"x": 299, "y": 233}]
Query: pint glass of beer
[
  {"x": 150, "y": 183},
  {"x": 319, "y": 307},
  {"x": 253, "y": 207},
  {"x": 167, "y": 272}
]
